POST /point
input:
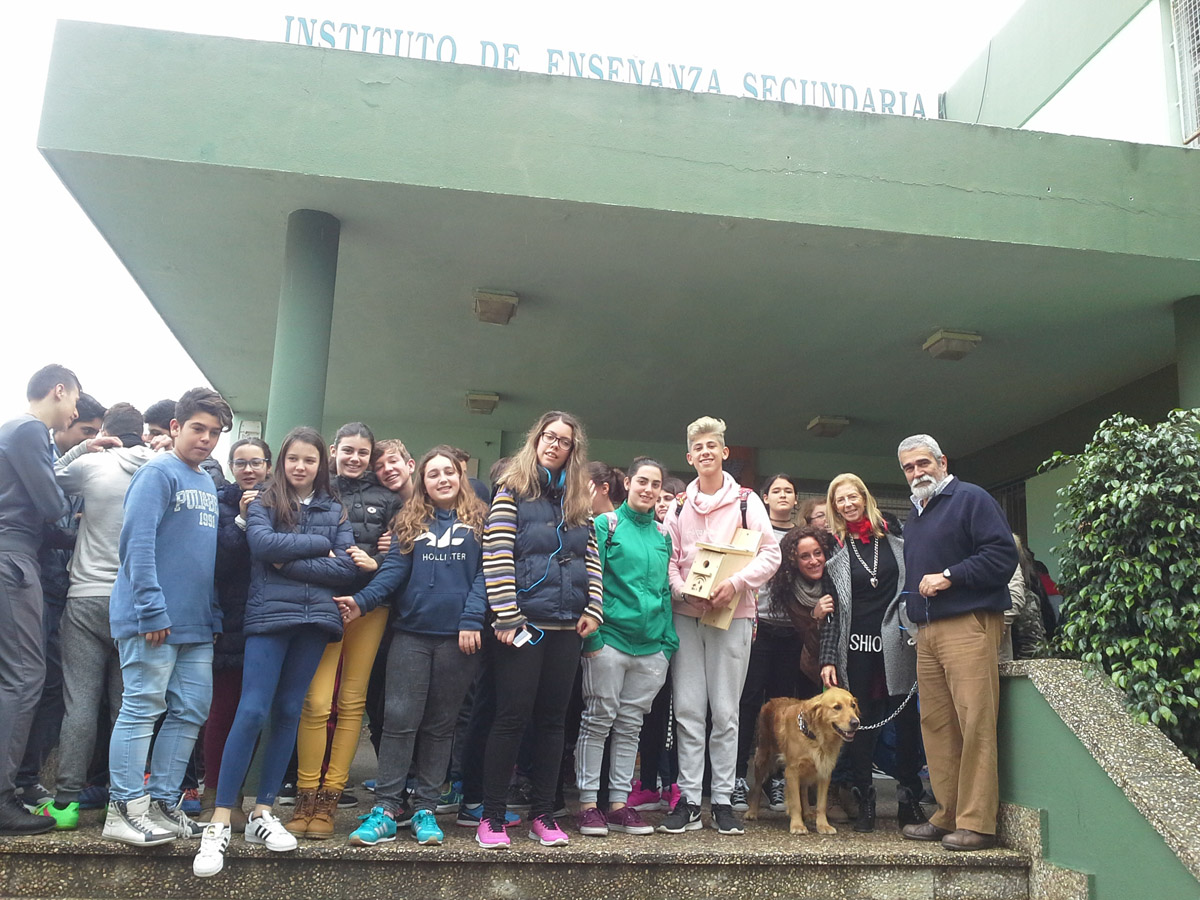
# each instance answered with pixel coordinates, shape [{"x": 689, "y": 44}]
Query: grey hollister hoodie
[{"x": 100, "y": 479}]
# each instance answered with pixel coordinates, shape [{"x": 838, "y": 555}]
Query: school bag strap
[{"x": 743, "y": 499}]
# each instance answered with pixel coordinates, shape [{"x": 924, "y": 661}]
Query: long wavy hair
[
  {"x": 782, "y": 586},
  {"x": 837, "y": 524},
  {"x": 414, "y": 517},
  {"x": 279, "y": 494},
  {"x": 523, "y": 478}
]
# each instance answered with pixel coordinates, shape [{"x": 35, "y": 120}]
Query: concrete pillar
[
  {"x": 1187, "y": 350},
  {"x": 301, "y": 361}
]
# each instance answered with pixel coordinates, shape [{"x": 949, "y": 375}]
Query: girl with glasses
[
  {"x": 542, "y": 572},
  {"x": 250, "y": 462}
]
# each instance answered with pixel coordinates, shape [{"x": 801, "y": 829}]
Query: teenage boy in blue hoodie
[{"x": 163, "y": 614}]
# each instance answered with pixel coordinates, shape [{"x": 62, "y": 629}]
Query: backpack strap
[
  {"x": 680, "y": 500},
  {"x": 743, "y": 497},
  {"x": 611, "y": 518}
]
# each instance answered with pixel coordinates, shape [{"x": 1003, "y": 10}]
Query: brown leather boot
[
  {"x": 208, "y": 801},
  {"x": 306, "y": 805},
  {"x": 320, "y": 826}
]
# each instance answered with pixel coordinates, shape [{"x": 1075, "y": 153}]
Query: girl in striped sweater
[{"x": 542, "y": 573}]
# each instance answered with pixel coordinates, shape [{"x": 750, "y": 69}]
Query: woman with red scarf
[{"x": 866, "y": 646}]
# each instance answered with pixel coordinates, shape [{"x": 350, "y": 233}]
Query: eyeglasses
[
  {"x": 257, "y": 463},
  {"x": 549, "y": 437}
]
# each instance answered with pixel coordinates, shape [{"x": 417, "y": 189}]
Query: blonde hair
[
  {"x": 414, "y": 517},
  {"x": 522, "y": 478},
  {"x": 833, "y": 517},
  {"x": 706, "y": 425}
]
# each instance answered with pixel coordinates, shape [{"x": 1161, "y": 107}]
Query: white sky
[{"x": 71, "y": 301}]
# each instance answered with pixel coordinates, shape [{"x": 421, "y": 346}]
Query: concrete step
[{"x": 767, "y": 861}]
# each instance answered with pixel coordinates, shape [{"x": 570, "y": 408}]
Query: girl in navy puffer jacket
[
  {"x": 369, "y": 508},
  {"x": 299, "y": 538}
]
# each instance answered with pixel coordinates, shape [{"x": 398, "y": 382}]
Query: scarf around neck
[
  {"x": 861, "y": 529},
  {"x": 807, "y": 592}
]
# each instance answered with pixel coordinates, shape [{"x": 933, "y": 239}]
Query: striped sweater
[{"x": 535, "y": 568}]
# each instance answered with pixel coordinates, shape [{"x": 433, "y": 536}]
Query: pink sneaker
[
  {"x": 644, "y": 800},
  {"x": 491, "y": 835},
  {"x": 671, "y": 796},
  {"x": 545, "y": 830}
]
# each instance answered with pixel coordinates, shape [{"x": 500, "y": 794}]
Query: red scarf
[{"x": 861, "y": 529}]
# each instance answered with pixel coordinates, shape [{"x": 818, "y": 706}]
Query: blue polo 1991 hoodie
[{"x": 437, "y": 589}]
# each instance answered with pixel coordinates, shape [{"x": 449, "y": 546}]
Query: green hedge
[{"x": 1130, "y": 563}]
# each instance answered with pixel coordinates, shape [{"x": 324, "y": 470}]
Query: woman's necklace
[{"x": 873, "y": 569}]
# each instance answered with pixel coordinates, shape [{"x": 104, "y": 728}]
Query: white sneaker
[
  {"x": 173, "y": 818},
  {"x": 131, "y": 823},
  {"x": 267, "y": 830},
  {"x": 210, "y": 858}
]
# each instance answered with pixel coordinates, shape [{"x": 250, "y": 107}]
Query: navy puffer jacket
[
  {"x": 233, "y": 579},
  {"x": 301, "y": 591}
]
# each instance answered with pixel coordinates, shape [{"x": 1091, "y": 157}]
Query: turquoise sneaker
[
  {"x": 377, "y": 828},
  {"x": 425, "y": 828},
  {"x": 64, "y": 819}
]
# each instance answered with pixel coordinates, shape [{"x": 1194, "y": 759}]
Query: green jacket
[{"x": 637, "y": 595}]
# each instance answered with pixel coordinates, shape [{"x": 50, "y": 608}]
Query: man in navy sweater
[
  {"x": 958, "y": 557},
  {"x": 29, "y": 500}
]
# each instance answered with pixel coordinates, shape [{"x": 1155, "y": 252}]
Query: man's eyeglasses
[
  {"x": 257, "y": 463},
  {"x": 549, "y": 437}
]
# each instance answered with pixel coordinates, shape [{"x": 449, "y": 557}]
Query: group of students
[{"x": 350, "y": 576}]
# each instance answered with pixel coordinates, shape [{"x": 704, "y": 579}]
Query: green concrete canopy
[{"x": 675, "y": 253}]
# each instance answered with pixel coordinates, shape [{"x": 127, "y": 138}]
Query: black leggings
[{"x": 533, "y": 685}]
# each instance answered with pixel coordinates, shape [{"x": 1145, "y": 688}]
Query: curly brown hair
[{"x": 414, "y": 517}]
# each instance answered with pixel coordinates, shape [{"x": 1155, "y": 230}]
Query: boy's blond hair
[{"x": 706, "y": 425}]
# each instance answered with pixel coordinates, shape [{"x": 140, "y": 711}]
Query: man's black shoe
[{"x": 15, "y": 819}]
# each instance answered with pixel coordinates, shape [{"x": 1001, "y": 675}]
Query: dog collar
[{"x": 804, "y": 729}]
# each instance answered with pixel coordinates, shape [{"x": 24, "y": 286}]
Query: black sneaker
[
  {"x": 776, "y": 791},
  {"x": 739, "y": 798},
  {"x": 724, "y": 821},
  {"x": 683, "y": 817},
  {"x": 347, "y": 800},
  {"x": 287, "y": 795},
  {"x": 520, "y": 794}
]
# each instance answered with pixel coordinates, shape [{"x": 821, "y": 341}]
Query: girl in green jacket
[{"x": 625, "y": 661}]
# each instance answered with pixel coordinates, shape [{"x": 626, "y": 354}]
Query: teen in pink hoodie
[{"x": 709, "y": 668}]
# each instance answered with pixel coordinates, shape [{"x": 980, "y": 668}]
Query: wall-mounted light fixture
[
  {"x": 827, "y": 426},
  {"x": 482, "y": 402},
  {"x": 495, "y": 307},
  {"x": 951, "y": 345}
]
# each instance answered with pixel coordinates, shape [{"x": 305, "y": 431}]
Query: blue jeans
[
  {"x": 275, "y": 677},
  {"x": 171, "y": 678}
]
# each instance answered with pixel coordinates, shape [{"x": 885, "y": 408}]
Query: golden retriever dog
[{"x": 805, "y": 737}]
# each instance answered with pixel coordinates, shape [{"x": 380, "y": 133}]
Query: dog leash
[{"x": 899, "y": 709}]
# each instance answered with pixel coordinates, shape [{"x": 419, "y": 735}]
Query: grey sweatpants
[
  {"x": 90, "y": 666},
  {"x": 707, "y": 673},
  {"x": 617, "y": 692}
]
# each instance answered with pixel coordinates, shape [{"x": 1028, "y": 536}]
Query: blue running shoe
[
  {"x": 94, "y": 796},
  {"x": 377, "y": 828},
  {"x": 452, "y": 799},
  {"x": 469, "y": 816},
  {"x": 425, "y": 828},
  {"x": 369, "y": 785}
]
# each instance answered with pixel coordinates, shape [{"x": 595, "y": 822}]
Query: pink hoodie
[{"x": 713, "y": 518}]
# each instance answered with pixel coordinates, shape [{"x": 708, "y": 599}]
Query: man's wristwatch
[{"x": 946, "y": 574}]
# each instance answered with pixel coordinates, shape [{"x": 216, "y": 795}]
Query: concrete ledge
[
  {"x": 766, "y": 862},
  {"x": 1159, "y": 781}
]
